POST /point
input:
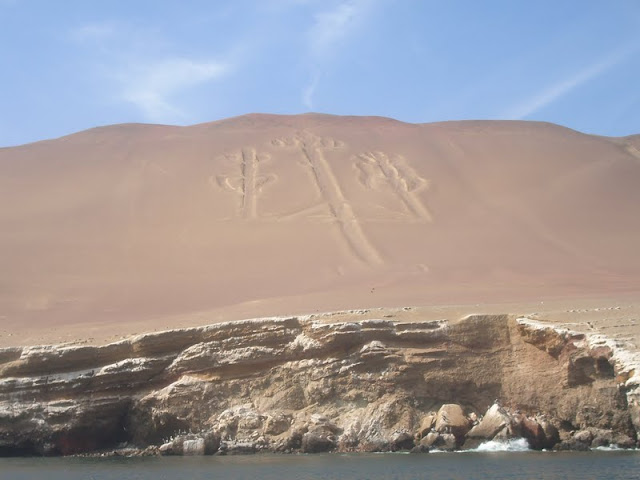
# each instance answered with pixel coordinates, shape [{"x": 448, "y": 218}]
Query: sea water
[{"x": 522, "y": 465}]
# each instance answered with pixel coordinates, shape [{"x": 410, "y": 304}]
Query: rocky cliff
[{"x": 307, "y": 384}]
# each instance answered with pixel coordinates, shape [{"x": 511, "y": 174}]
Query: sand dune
[{"x": 262, "y": 214}]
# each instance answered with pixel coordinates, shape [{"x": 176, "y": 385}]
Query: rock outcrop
[{"x": 301, "y": 384}]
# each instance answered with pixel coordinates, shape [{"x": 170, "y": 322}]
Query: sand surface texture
[{"x": 132, "y": 228}]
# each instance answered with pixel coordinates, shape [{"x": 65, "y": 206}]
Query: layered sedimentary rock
[{"x": 305, "y": 384}]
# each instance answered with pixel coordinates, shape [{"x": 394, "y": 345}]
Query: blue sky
[{"x": 74, "y": 64}]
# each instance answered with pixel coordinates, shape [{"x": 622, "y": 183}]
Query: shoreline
[{"x": 238, "y": 384}]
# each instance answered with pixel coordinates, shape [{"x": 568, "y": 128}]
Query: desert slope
[{"x": 262, "y": 214}]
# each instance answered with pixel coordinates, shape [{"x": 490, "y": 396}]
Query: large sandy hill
[{"x": 131, "y": 227}]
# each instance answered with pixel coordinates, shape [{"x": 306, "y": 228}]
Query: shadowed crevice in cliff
[{"x": 91, "y": 425}]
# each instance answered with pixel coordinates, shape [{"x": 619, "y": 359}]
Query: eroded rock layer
[{"x": 301, "y": 384}]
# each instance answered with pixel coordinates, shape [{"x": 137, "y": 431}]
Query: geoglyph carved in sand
[
  {"x": 312, "y": 148},
  {"x": 378, "y": 170},
  {"x": 249, "y": 182}
]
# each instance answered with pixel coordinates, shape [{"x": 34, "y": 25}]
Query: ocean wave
[
  {"x": 513, "y": 445},
  {"x": 610, "y": 448}
]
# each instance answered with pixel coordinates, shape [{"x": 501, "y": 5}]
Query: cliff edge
[{"x": 305, "y": 384}]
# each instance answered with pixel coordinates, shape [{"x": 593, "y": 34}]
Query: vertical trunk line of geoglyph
[
  {"x": 341, "y": 210},
  {"x": 249, "y": 175}
]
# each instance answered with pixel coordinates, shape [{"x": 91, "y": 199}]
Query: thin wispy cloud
[
  {"x": 558, "y": 90},
  {"x": 330, "y": 28},
  {"x": 151, "y": 87},
  {"x": 148, "y": 80},
  {"x": 308, "y": 91},
  {"x": 332, "y": 25}
]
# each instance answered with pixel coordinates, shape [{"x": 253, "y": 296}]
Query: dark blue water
[{"x": 456, "y": 466}]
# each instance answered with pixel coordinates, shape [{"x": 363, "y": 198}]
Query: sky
[{"x": 70, "y": 65}]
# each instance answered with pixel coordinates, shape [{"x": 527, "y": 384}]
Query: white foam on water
[
  {"x": 610, "y": 448},
  {"x": 513, "y": 445}
]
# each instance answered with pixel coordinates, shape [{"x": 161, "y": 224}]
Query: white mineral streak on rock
[
  {"x": 304, "y": 343},
  {"x": 537, "y": 325},
  {"x": 374, "y": 346}
]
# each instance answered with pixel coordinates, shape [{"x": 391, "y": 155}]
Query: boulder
[
  {"x": 427, "y": 423},
  {"x": 430, "y": 439},
  {"x": 532, "y": 431},
  {"x": 294, "y": 440},
  {"x": 540, "y": 434},
  {"x": 472, "y": 443},
  {"x": 551, "y": 433},
  {"x": 601, "y": 437},
  {"x": 375, "y": 445},
  {"x": 317, "y": 442},
  {"x": 493, "y": 422},
  {"x": 584, "y": 436},
  {"x": 419, "y": 449},
  {"x": 350, "y": 439},
  {"x": 401, "y": 441},
  {"x": 512, "y": 430},
  {"x": 446, "y": 441},
  {"x": 277, "y": 423},
  {"x": 624, "y": 441},
  {"x": 193, "y": 447},
  {"x": 440, "y": 441},
  {"x": 237, "y": 448},
  {"x": 318, "y": 421},
  {"x": 173, "y": 446},
  {"x": 451, "y": 419},
  {"x": 571, "y": 444},
  {"x": 169, "y": 448},
  {"x": 240, "y": 421},
  {"x": 250, "y": 422},
  {"x": 321, "y": 435},
  {"x": 211, "y": 443}
]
